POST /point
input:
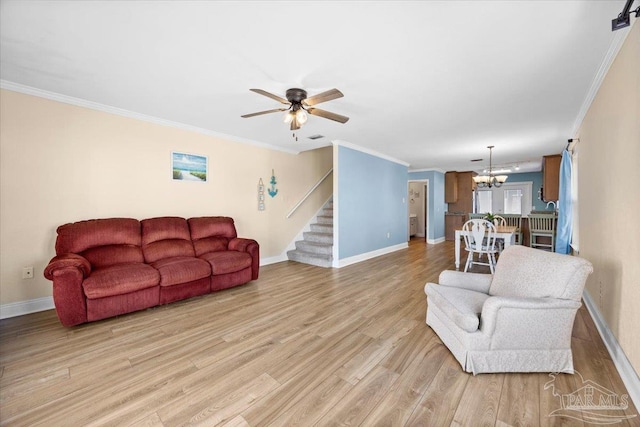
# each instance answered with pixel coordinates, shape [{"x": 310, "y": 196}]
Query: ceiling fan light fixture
[
  {"x": 301, "y": 116},
  {"x": 297, "y": 114}
]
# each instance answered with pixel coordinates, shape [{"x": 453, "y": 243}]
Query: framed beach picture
[{"x": 189, "y": 167}]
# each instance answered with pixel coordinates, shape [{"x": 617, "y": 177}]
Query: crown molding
[
  {"x": 614, "y": 47},
  {"x": 427, "y": 170},
  {"x": 368, "y": 151},
  {"x": 79, "y": 102}
]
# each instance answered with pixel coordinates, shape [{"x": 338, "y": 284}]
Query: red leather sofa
[{"x": 108, "y": 267}]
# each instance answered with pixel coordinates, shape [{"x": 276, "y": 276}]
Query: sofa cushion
[
  {"x": 227, "y": 261},
  {"x": 120, "y": 279},
  {"x": 104, "y": 256},
  {"x": 462, "y": 306},
  {"x": 210, "y": 244},
  {"x": 179, "y": 270},
  {"x": 165, "y": 237},
  {"x": 211, "y": 233},
  {"x": 102, "y": 242}
]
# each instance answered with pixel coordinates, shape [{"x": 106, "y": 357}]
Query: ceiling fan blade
[
  {"x": 259, "y": 113},
  {"x": 270, "y": 95},
  {"x": 323, "y": 97},
  {"x": 328, "y": 115}
]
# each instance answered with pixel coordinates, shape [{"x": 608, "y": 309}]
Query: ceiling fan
[{"x": 300, "y": 105}]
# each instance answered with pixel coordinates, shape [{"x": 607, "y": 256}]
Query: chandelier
[{"x": 491, "y": 180}]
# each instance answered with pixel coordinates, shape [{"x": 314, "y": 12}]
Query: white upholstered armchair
[{"x": 519, "y": 319}]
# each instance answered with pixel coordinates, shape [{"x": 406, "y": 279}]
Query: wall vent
[{"x": 316, "y": 136}]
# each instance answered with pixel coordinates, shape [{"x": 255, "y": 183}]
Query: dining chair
[
  {"x": 542, "y": 226},
  {"x": 515, "y": 220},
  {"x": 480, "y": 238},
  {"x": 499, "y": 221}
]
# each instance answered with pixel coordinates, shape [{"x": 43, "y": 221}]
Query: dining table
[{"x": 505, "y": 232}]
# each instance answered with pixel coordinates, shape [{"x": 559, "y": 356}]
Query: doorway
[{"x": 418, "y": 208}]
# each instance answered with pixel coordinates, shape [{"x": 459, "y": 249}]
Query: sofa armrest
[
  {"x": 251, "y": 247},
  {"x": 472, "y": 281},
  {"x": 68, "y": 271},
  {"x": 67, "y": 261},
  {"x": 518, "y": 322}
]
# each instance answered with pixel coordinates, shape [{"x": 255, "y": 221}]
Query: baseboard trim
[
  {"x": 625, "y": 369},
  {"x": 14, "y": 309},
  {"x": 273, "y": 259},
  {"x": 435, "y": 241},
  {"x": 363, "y": 257}
]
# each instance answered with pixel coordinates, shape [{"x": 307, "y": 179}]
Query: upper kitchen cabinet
[
  {"x": 450, "y": 187},
  {"x": 464, "y": 188},
  {"x": 551, "y": 177}
]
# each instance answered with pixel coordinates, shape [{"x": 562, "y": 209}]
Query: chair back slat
[
  {"x": 542, "y": 222},
  {"x": 513, "y": 220}
]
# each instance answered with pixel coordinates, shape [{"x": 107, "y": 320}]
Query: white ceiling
[{"x": 429, "y": 83}]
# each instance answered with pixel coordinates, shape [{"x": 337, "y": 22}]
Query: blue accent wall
[
  {"x": 437, "y": 206},
  {"x": 372, "y": 194}
]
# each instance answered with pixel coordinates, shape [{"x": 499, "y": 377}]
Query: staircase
[{"x": 316, "y": 248}]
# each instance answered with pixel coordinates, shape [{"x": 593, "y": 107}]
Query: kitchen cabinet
[
  {"x": 551, "y": 177},
  {"x": 451, "y": 222},
  {"x": 450, "y": 187},
  {"x": 465, "y": 186}
]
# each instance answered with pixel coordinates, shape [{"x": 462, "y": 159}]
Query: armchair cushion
[
  {"x": 526, "y": 272},
  {"x": 462, "y": 306},
  {"x": 478, "y": 282}
]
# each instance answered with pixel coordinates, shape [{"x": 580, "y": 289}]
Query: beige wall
[
  {"x": 62, "y": 163},
  {"x": 609, "y": 198}
]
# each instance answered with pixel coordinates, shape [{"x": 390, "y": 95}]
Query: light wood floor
[{"x": 300, "y": 346}]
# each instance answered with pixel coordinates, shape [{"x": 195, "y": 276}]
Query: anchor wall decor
[{"x": 273, "y": 191}]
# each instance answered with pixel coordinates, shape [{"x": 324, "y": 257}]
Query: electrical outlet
[
  {"x": 388, "y": 235},
  {"x": 27, "y": 272}
]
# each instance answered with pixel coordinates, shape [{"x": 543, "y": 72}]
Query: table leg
[
  {"x": 511, "y": 240},
  {"x": 457, "y": 245}
]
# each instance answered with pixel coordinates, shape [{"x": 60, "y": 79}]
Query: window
[
  {"x": 510, "y": 198},
  {"x": 513, "y": 201},
  {"x": 484, "y": 201}
]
